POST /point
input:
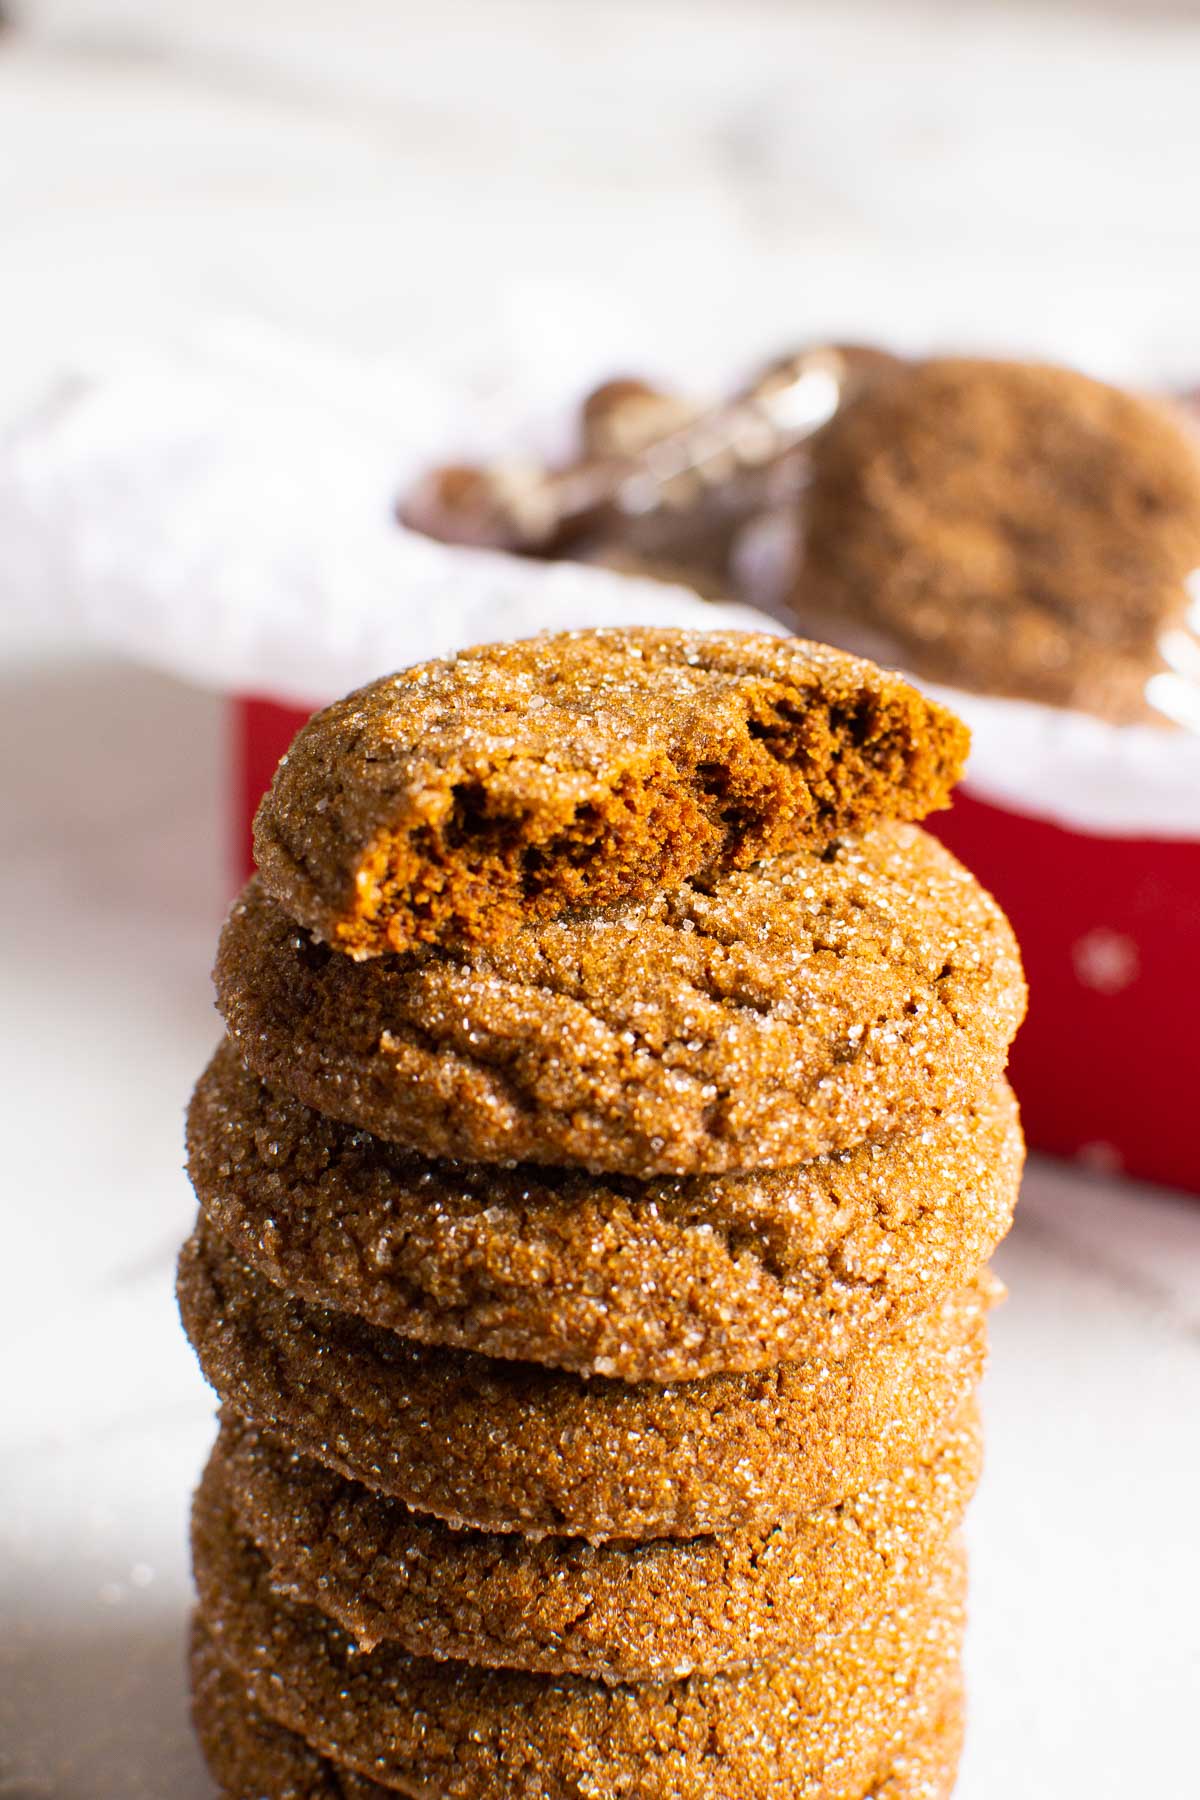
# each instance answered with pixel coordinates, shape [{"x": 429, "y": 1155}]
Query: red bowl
[{"x": 1107, "y": 1066}]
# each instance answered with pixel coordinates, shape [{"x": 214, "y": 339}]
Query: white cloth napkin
[{"x": 225, "y": 510}]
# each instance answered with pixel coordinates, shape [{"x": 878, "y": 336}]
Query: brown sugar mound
[
  {"x": 460, "y": 799},
  {"x": 507, "y": 1446},
  {"x": 659, "y": 1281},
  {"x": 816, "y": 1726},
  {"x": 652, "y": 1611},
  {"x": 1006, "y": 527},
  {"x": 248, "y": 1754},
  {"x": 781, "y": 1013}
]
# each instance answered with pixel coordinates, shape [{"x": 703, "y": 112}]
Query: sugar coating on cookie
[
  {"x": 776, "y": 1014},
  {"x": 1008, "y": 527},
  {"x": 651, "y": 1611},
  {"x": 507, "y": 1446},
  {"x": 247, "y": 1753},
  {"x": 460, "y": 799},
  {"x": 816, "y": 1725},
  {"x": 664, "y": 1280}
]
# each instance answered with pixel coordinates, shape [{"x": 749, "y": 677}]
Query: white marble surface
[{"x": 369, "y": 171}]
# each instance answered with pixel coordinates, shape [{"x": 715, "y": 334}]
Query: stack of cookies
[{"x": 596, "y": 1184}]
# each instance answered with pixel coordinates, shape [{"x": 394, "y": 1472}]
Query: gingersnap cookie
[
  {"x": 513, "y": 1447},
  {"x": 788, "y": 1011},
  {"x": 660, "y": 1281},
  {"x": 1007, "y": 527},
  {"x": 249, "y": 1756},
  {"x": 461, "y": 799},
  {"x": 927, "y": 1768},
  {"x": 817, "y": 1725},
  {"x": 615, "y": 1612}
]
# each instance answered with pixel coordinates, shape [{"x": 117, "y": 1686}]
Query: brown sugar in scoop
[
  {"x": 457, "y": 800},
  {"x": 1006, "y": 527}
]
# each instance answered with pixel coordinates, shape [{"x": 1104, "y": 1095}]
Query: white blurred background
[
  {"x": 379, "y": 169},
  {"x": 374, "y": 174}
]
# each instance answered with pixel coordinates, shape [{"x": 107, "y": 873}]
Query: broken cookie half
[{"x": 453, "y": 802}]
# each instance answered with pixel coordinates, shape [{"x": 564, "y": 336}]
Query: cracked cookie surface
[
  {"x": 461, "y": 799},
  {"x": 508, "y": 1446},
  {"x": 248, "y": 1754},
  {"x": 653, "y": 1611},
  {"x": 660, "y": 1281},
  {"x": 817, "y": 1725},
  {"x": 812, "y": 1003}
]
